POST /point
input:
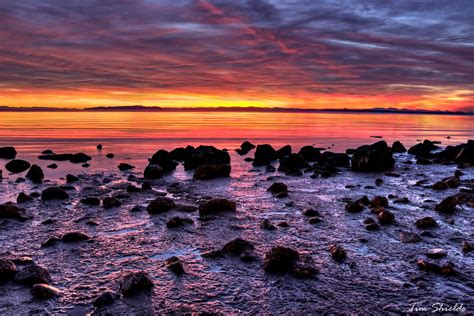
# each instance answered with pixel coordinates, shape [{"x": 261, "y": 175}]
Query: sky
[{"x": 270, "y": 53}]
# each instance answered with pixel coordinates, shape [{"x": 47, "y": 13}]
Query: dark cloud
[{"x": 354, "y": 47}]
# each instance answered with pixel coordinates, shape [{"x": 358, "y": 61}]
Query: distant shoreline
[{"x": 231, "y": 109}]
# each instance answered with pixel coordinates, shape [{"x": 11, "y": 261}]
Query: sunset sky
[{"x": 272, "y": 53}]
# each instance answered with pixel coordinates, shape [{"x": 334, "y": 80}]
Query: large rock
[
  {"x": 335, "y": 159},
  {"x": 280, "y": 260},
  {"x": 135, "y": 282},
  {"x": 153, "y": 172},
  {"x": 160, "y": 205},
  {"x": 35, "y": 174},
  {"x": 310, "y": 153},
  {"x": 423, "y": 149},
  {"x": 373, "y": 158},
  {"x": 17, "y": 166},
  {"x": 284, "y": 151},
  {"x": 278, "y": 189},
  {"x": 181, "y": 154},
  {"x": 125, "y": 167},
  {"x": 54, "y": 193},
  {"x": 466, "y": 154},
  {"x": 398, "y": 147},
  {"x": 247, "y": 146},
  {"x": 426, "y": 222},
  {"x": 31, "y": 274},
  {"x": 292, "y": 163},
  {"x": 175, "y": 265},
  {"x": 447, "y": 206},
  {"x": 74, "y": 158},
  {"x": 7, "y": 153},
  {"x": 11, "y": 211},
  {"x": 164, "y": 159},
  {"x": 80, "y": 158},
  {"x": 7, "y": 270},
  {"x": 216, "y": 206},
  {"x": 208, "y": 172},
  {"x": 264, "y": 155},
  {"x": 206, "y": 155}
]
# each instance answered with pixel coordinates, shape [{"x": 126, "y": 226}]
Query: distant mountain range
[{"x": 141, "y": 108}]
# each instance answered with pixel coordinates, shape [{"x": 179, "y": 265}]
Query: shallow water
[{"x": 380, "y": 274}]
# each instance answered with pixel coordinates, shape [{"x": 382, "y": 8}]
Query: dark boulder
[
  {"x": 354, "y": 207},
  {"x": 23, "y": 198},
  {"x": 93, "y": 201},
  {"x": 444, "y": 270},
  {"x": 135, "y": 282},
  {"x": 160, "y": 205},
  {"x": 338, "y": 253},
  {"x": 310, "y": 153},
  {"x": 398, "y": 147},
  {"x": 423, "y": 149},
  {"x": 125, "y": 167},
  {"x": 466, "y": 154},
  {"x": 292, "y": 162},
  {"x": 278, "y": 189},
  {"x": 373, "y": 158},
  {"x": 206, "y": 155},
  {"x": 178, "y": 222},
  {"x": 280, "y": 260},
  {"x": 11, "y": 211},
  {"x": 426, "y": 222},
  {"x": 386, "y": 217},
  {"x": 7, "y": 153},
  {"x": 164, "y": 159},
  {"x": 110, "y": 156},
  {"x": 153, "y": 172},
  {"x": 237, "y": 246},
  {"x": 447, "y": 206},
  {"x": 175, "y": 265},
  {"x": 74, "y": 237},
  {"x": 7, "y": 270},
  {"x": 31, "y": 274},
  {"x": 216, "y": 206},
  {"x": 54, "y": 193},
  {"x": 110, "y": 202},
  {"x": 35, "y": 174},
  {"x": 267, "y": 224},
  {"x": 284, "y": 151},
  {"x": 264, "y": 155},
  {"x": 181, "y": 154},
  {"x": 52, "y": 166},
  {"x": 105, "y": 298},
  {"x": 331, "y": 159},
  {"x": 44, "y": 291},
  {"x": 99, "y": 146},
  {"x": 71, "y": 178},
  {"x": 409, "y": 237},
  {"x": 17, "y": 166},
  {"x": 247, "y": 146},
  {"x": 79, "y": 158},
  {"x": 208, "y": 172},
  {"x": 379, "y": 201}
]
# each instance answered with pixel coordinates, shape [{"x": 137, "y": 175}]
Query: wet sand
[{"x": 380, "y": 273}]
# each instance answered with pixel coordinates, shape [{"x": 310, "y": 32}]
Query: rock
[
  {"x": 310, "y": 212},
  {"x": 213, "y": 254},
  {"x": 310, "y": 153},
  {"x": 106, "y": 298},
  {"x": 11, "y": 211},
  {"x": 99, "y": 147},
  {"x": 207, "y": 172},
  {"x": 447, "y": 206},
  {"x": 466, "y": 154},
  {"x": 426, "y": 222},
  {"x": 267, "y": 224},
  {"x": 385, "y": 217},
  {"x": 85, "y": 165},
  {"x": 175, "y": 265},
  {"x": 284, "y": 151},
  {"x": 440, "y": 185},
  {"x": 216, "y": 206},
  {"x": 44, "y": 291},
  {"x": 237, "y": 246},
  {"x": 335, "y": 159},
  {"x": 354, "y": 207},
  {"x": 304, "y": 270},
  {"x": 379, "y": 201},
  {"x": 403, "y": 200},
  {"x": 7, "y": 270},
  {"x": 93, "y": 201},
  {"x": 206, "y": 155},
  {"x": 436, "y": 253},
  {"x": 54, "y": 193},
  {"x": 373, "y": 158},
  {"x": 7, "y": 153},
  {"x": 372, "y": 226},
  {"x": 50, "y": 242},
  {"x": 338, "y": 253},
  {"x": 110, "y": 156},
  {"x": 164, "y": 160},
  {"x": 409, "y": 237},
  {"x": 445, "y": 270},
  {"x": 181, "y": 154},
  {"x": 146, "y": 186},
  {"x": 74, "y": 237},
  {"x": 23, "y": 198},
  {"x": 153, "y": 172},
  {"x": 452, "y": 182},
  {"x": 79, "y": 158},
  {"x": 110, "y": 202},
  {"x": 137, "y": 208},
  {"x": 264, "y": 155},
  {"x": 422, "y": 149},
  {"x": 125, "y": 167},
  {"x": 178, "y": 222},
  {"x": 52, "y": 166},
  {"x": 280, "y": 260},
  {"x": 71, "y": 178},
  {"x": 17, "y": 166},
  {"x": 292, "y": 163},
  {"x": 247, "y": 146},
  {"x": 398, "y": 147},
  {"x": 32, "y": 274},
  {"x": 248, "y": 256},
  {"x": 314, "y": 220},
  {"x": 278, "y": 189},
  {"x": 135, "y": 282},
  {"x": 269, "y": 169},
  {"x": 466, "y": 247},
  {"x": 35, "y": 174},
  {"x": 392, "y": 174},
  {"x": 133, "y": 189},
  {"x": 160, "y": 205}
]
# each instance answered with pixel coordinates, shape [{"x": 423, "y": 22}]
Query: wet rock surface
[{"x": 377, "y": 263}]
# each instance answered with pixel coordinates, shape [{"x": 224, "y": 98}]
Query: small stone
[
  {"x": 7, "y": 270},
  {"x": 403, "y": 200},
  {"x": 280, "y": 260},
  {"x": 372, "y": 227},
  {"x": 354, "y": 207},
  {"x": 338, "y": 253},
  {"x": 135, "y": 282},
  {"x": 466, "y": 247},
  {"x": 237, "y": 246},
  {"x": 426, "y": 222},
  {"x": 436, "y": 253},
  {"x": 278, "y": 188},
  {"x": 44, "y": 291},
  {"x": 216, "y": 206},
  {"x": 409, "y": 237},
  {"x": 110, "y": 156},
  {"x": 267, "y": 224},
  {"x": 386, "y": 217},
  {"x": 35, "y": 174},
  {"x": 93, "y": 201},
  {"x": 54, "y": 193},
  {"x": 175, "y": 265},
  {"x": 74, "y": 237},
  {"x": 23, "y": 198},
  {"x": 178, "y": 222},
  {"x": 447, "y": 206},
  {"x": 125, "y": 167},
  {"x": 379, "y": 201},
  {"x": 310, "y": 212},
  {"x": 110, "y": 202},
  {"x": 50, "y": 242},
  {"x": 32, "y": 274},
  {"x": 213, "y": 254},
  {"x": 99, "y": 147},
  {"x": 106, "y": 298},
  {"x": 160, "y": 205}
]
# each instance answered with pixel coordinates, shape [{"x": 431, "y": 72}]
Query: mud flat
[{"x": 376, "y": 229}]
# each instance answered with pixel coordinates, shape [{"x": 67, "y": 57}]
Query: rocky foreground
[{"x": 375, "y": 229}]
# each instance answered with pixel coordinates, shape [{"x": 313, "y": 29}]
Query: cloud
[{"x": 245, "y": 47}]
